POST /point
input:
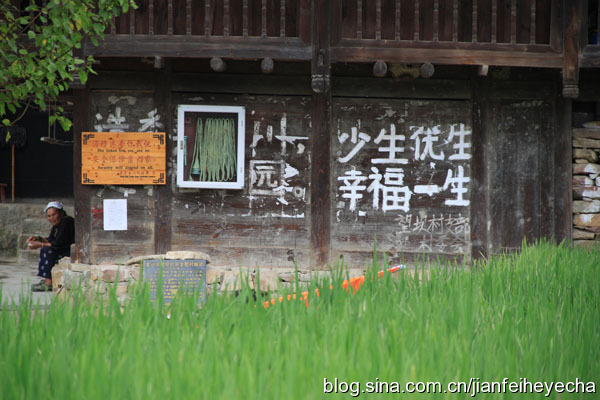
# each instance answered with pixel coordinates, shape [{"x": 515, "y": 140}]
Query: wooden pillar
[
  {"x": 83, "y": 193},
  {"x": 321, "y": 143},
  {"x": 571, "y": 47},
  {"x": 162, "y": 193},
  {"x": 563, "y": 170},
  {"x": 479, "y": 170}
]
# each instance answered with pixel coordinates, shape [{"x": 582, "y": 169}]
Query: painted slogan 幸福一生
[{"x": 402, "y": 173}]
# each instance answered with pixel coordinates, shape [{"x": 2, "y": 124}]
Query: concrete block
[
  {"x": 26, "y": 256},
  {"x": 36, "y": 226}
]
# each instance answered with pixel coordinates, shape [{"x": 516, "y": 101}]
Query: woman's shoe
[{"x": 41, "y": 287}]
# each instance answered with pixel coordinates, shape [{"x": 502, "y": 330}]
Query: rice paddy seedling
[{"x": 528, "y": 317}]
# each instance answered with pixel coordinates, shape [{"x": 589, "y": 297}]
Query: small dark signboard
[{"x": 189, "y": 275}]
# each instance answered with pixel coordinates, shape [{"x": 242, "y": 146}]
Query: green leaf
[
  {"x": 6, "y": 122},
  {"x": 65, "y": 123},
  {"x": 82, "y": 76}
]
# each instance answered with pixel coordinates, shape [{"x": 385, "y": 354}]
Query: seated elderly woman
[{"x": 54, "y": 247}]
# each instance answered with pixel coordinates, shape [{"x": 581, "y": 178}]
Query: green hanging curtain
[
  {"x": 195, "y": 168},
  {"x": 214, "y": 157}
]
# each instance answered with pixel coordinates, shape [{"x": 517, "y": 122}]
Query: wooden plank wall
[
  {"x": 266, "y": 223},
  {"x": 122, "y": 111},
  {"x": 401, "y": 173},
  {"x": 509, "y": 132}
]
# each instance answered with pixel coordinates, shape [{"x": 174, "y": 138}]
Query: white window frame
[{"x": 241, "y": 116}]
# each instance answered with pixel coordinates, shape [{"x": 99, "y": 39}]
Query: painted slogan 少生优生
[{"x": 401, "y": 173}]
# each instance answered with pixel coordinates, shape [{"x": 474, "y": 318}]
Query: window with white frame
[{"x": 210, "y": 146}]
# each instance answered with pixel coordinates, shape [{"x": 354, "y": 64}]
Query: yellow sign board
[{"x": 123, "y": 158}]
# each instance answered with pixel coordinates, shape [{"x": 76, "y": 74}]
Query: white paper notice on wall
[{"x": 115, "y": 215}]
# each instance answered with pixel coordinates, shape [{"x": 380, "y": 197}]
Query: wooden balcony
[{"x": 524, "y": 33}]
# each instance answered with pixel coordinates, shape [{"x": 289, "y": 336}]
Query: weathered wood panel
[
  {"x": 115, "y": 111},
  {"x": 272, "y": 211},
  {"x": 518, "y": 146},
  {"x": 137, "y": 240},
  {"x": 401, "y": 174}
]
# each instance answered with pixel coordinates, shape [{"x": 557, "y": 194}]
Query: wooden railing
[
  {"x": 217, "y": 18},
  {"x": 476, "y": 21},
  {"x": 526, "y": 33}
]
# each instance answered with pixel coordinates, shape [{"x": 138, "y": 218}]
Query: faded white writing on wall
[
  {"x": 270, "y": 176},
  {"x": 440, "y": 233},
  {"x": 383, "y": 179}
]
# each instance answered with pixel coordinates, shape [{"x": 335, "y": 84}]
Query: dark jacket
[{"x": 63, "y": 235}]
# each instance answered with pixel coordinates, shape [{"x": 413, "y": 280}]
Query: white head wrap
[{"x": 56, "y": 204}]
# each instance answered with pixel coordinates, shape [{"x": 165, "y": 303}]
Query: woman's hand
[{"x": 34, "y": 244}]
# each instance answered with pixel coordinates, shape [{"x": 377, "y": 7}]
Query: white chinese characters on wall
[
  {"x": 385, "y": 179},
  {"x": 277, "y": 178},
  {"x": 418, "y": 172}
]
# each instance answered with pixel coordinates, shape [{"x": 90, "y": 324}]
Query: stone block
[
  {"x": 138, "y": 260},
  {"x": 587, "y": 244},
  {"x": 77, "y": 267},
  {"x": 586, "y": 207},
  {"x": 586, "y": 143},
  {"x": 187, "y": 255},
  {"x": 72, "y": 280},
  {"x": 233, "y": 281},
  {"x": 134, "y": 272},
  {"x": 213, "y": 275},
  {"x": 121, "y": 289},
  {"x": 585, "y": 169},
  {"x": 586, "y": 154},
  {"x": 58, "y": 280},
  {"x": 110, "y": 274},
  {"x": 586, "y": 133},
  {"x": 586, "y": 192},
  {"x": 582, "y": 181},
  {"x": 268, "y": 280},
  {"x": 584, "y": 220},
  {"x": 579, "y": 234}
]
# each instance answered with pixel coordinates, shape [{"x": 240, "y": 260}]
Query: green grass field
[{"x": 533, "y": 316}]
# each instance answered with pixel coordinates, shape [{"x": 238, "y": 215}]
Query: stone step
[{"x": 26, "y": 256}]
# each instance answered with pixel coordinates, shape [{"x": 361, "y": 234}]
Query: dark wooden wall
[{"x": 513, "y": 156}]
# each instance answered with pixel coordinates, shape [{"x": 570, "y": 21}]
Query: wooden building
[{"x": 438, "y": 127}]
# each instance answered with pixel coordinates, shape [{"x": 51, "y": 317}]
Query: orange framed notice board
[{"x": 123, "y": 158}]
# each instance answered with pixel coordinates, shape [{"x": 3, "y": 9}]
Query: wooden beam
[
  {"x": 305, "y": 21},
  {"x": 83, "y": 193},
  {"x": 474, "y": 22},
  {"x": 170, "y": 17},
  {"x": 416, "y": 32},
  {"x": 571, "y": 40},
  {"x": 468, "y": 55},
  {"x": 162, "y": 193},
  {"x": 532, "y": 28},
  {"x": 563, "y": 189},
  {"x": 436, "y": 20},
  {"x": 479, "y": 170},
  {"x": 398, "y": 10},
  {"x": 320, "y": 183},
  {"x": 178, "y": 47},
  {"x": 188, "y": 17}
]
